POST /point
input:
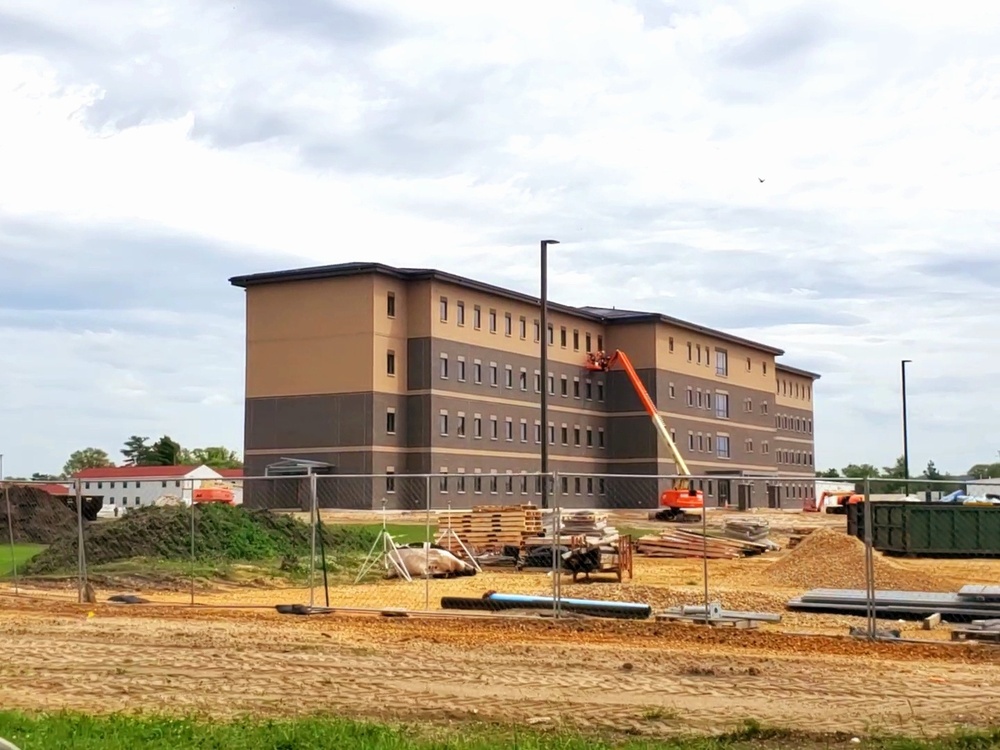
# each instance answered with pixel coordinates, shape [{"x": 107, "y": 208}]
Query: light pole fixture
[
  {"x": 906, "y": 444},
  {"x": 543, "y": 336}
]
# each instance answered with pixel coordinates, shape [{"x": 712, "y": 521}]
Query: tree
[
  {"x": 984, "y": 471},
  {"x": 931, "y": 472},
  {"x": 216, "y": 456},
  {"x": 828, "y": 474},
  {"x": 37, "y": 477},
  {"x": 165, "y": 452},
  {"x": 137, "y": 452},
  {"x": 86, "y": 458},
  {"x": 859, "y": 471}
]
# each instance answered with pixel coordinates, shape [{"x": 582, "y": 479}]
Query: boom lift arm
[{"x": 682, "y": 495}]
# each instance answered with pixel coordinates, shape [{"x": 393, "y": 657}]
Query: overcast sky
[{"x": 150, "y": 150}]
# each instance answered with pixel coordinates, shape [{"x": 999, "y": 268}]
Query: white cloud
[{"x": 208, "y": 140}]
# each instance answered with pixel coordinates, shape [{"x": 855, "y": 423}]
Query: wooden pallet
[
  {"x": 684, "y": 543},
  {"x": 978, "y": 630}
]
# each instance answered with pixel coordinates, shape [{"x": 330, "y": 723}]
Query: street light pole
[
  {"x": 544, "y": 356},
  {"x": 906, "y": 445}
]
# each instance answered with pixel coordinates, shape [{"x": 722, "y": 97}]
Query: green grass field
[
  {"x": 22, "y": 553},
  {"x": 150, "y": 733}
]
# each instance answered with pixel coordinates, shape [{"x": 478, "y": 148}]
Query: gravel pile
[{"x": 833, "y": 559}]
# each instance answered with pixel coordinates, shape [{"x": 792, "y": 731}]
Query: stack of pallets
[
  {"x": 577, "y": 529},
  {"x": 488, "y": 527},
  {"x": 690, "y": 543}
]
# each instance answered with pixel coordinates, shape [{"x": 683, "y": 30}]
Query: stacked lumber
[
  {"x": 751, "y": 529},
  {"x": 492, "y": 526},
  {"x": 577, "y": 529},
  {"x": 692, "y": 543}
]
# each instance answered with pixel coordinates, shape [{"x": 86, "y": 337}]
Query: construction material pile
[
  {"x": 489, "y": 527},
  {"x": 833, "y": 559},
  {"x": 750, "y": 529},
  {"x": 692, "y": 543},
  {"x": 577, "y": 529},
  {"x": 37, "y": 517}
]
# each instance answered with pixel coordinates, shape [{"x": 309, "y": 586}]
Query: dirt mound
[
  {"x": 221, "y": 532},
  {"x": 833, "y": 559},
  {"x": 39, "y": 518}
]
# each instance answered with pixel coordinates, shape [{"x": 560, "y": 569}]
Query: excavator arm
[{"x": 682, "y": 495}]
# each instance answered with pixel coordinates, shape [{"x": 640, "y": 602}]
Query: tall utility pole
[
  {"x": 544, "y": 356},
  {"x": 906, "y": 442}
]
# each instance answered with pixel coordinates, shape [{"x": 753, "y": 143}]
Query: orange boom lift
[{"x": 682, "y": 496}]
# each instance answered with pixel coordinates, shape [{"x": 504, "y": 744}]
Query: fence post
[
  {"x": 704, "y": 547},
  {"x": 869, "y": 564},
  {"x": 556, "y": 541},
  {"x": 427, "y": 542},
  {"x": 10, "y": 532},
  {"x": 81, "y": 555},
  {"x": 313, "y": 524},
  {"x": 193, "y": 552}
]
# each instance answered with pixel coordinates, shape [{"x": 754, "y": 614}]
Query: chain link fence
[{"x": 871, "y": 557}]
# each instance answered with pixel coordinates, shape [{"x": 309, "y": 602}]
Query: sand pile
[
  {"x": 832, "y": 559},
  {"x": 39, "y": 518}
]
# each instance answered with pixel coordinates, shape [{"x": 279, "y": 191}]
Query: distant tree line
[
  {"x": 139, "y": 451},
  {"x": 916, "y": 483}
]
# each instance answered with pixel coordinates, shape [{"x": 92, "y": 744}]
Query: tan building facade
[{"x": 374, "y": 370}]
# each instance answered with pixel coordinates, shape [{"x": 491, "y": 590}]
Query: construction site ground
[{"x": 233, "y": 654}]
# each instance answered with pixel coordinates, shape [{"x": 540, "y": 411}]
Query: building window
[
  {"x": 443, "y": 423},
  {"x": 562, "y": 336},
  {"x": 701, "y": 442},
  {"x": 749, "y": 364},
  {"x": 708, "y": 443},
  {"x": 509, "y": 429},
  {"x": 722, "y": 446},
  {"x": 477, "y": 372},
  {"x": 460, "y": 482},
  {"x": 477, "y": 484},
  {"x": 538, "y": 331},
  {"x": 721, "y": 362},
  {"x": 443, "y": 481},
  {"x": 690, "y": 396},
  {"x": 444, "y": 366},
  {"x": 390, "y": 421},
  {"x": 763, "y": 407},
  {"x": 690, "y": 358},
  {"x": 522, "y": 380},
  {"x": 588, "y": 389},
  {"x": 576, "y": 387},
  {"x": 701, "y": 399},
  {"x": 524, "y": 484},
  {"x": 564, "y": 434},
  {"x": 390, "y": 480},
  {"x": 690, "y": 441},
  {"x": 538, "y": 433},
  {"x": 460, "y": 313},
  {"x": 508, "y": 375},
  {"x": 565, "y": 386},
  {"x": 494, "y": 428},
  {"x": 477, "y": 427},
  {"x": 444, "y": 309},
  {"x": 670, "y": 344},
  {"x": 390, "y": 305},
  {"x": 764, "y": 367},
  {"x": 698, "y": 347},
  {"x": 493, "y": 321},
  {"x": 564, "y": 484},
  {"x": 576, "y": 341},
  {"x": 551, "y": 334},
  {"x": 493, "y": 484},
  {"x": 461, "y": 369},
  {"x": 600, "y": 343},
  {"x": 749, "y": 445},
  {"x": 552, "y": 384},
  {"x": 509, "y": 484},
  {"x": 522, "y": 327},
  {"x": 586, "y": 340},
  {"x": 722, "y": 405},
  {"x": 508, "y": 325},
  {"x": 576, "y": 436},
  {"x": 590, "y": 485},
  {"x": 538, "y": 382},
  {"x": 577, "y": 482},
  {"x": 673, "y": 437},
  {"x": 600, "y": 390},
  {"x": 493, "y": 374},
  {"x": 552, "y": 434},
  {"x": 764, "y": 447},
  {"x": 390, "y": 362},
  {"x": 600, "y": 437},
  {"x": 460, "y": 427},
  {"x": 708, "y": 400},
  {"x": 524, "y": 430},
  {"x": 590, "y": 438},
  {"x": 477, "y": 317},
  {"x": 671, "y": 391}
]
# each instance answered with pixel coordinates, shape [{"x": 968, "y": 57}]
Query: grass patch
[
  {"x": 21, "y": 555},
  {"x": 402, "y": 533},
  {"x": 123, "y": 732}
]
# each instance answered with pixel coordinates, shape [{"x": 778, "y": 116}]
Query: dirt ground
[
  {"x": 638, "y": 678},
  {"x": 233, "y": 654}
]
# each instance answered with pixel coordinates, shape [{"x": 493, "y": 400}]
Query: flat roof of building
[
  {"x": 607, "y": 316},
  {"x": 797, "y": 371}
]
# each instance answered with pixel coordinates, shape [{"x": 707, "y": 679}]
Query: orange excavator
[{"x": 682, "y": 497}]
